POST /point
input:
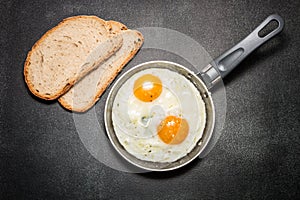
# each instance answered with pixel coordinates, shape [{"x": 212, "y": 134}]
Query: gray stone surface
[{"x": 257, "y": 156}]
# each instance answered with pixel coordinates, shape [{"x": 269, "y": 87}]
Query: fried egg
[{"x": 158, "y": 115}]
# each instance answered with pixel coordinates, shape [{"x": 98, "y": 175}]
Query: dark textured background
[{"x": 257, "y": 156}]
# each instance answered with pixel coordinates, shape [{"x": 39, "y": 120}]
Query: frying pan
[{"x": 203, "y": 81}]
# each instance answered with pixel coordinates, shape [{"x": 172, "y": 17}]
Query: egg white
[{"x": 135, "y": 122}]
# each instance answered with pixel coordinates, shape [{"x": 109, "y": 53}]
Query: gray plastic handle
[{"x": 226, "y": 62}]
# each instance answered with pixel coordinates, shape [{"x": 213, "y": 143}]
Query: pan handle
[{"x": 225, "y": 63}]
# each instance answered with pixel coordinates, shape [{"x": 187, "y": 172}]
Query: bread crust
[
  {"x": 118, "y": 25},
  {"x": 137, "y": 46},
  {"x": 71, "y": 81}
]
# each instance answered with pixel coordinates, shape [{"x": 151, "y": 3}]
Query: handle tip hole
[{"x": 267, "y": 29}]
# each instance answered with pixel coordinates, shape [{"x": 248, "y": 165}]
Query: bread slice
[
  {"x": 83, "y": 95},
  {"x": 66, "y": 53}
]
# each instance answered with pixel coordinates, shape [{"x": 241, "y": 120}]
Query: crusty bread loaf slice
[
  {"x": 83, "y": 95},
  {"x": 66, "y": 53}
]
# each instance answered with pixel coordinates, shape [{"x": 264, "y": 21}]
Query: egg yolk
[
  {"x": 173, "y": 130},
  {"x": 147, "y": 88}
]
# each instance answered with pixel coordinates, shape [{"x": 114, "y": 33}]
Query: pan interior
[{"x": 201, "y": 144}]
